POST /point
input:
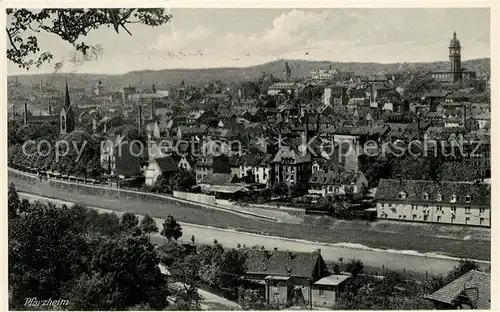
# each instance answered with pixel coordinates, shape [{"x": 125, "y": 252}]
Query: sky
[{"x": 215, "y": 37}]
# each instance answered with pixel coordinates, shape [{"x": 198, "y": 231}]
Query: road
[{"x": 395, "y": 260}]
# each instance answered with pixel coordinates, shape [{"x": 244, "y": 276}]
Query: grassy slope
[{"x": 312, "y": 229}]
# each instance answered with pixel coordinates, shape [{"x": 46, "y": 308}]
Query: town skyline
[{"x": 259, "y": 36}]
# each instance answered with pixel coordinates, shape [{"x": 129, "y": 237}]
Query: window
[
  {"x": 276, "y": 295},
  {"x": 453, "y": 198},
  {"x": 330, "y": 188},
  {"x": 413, "y": 207},
  {"x": 454, "y": 209},
  {"x": 467, "y": 220},
  {"x": 426, "y": 196},
  {"x": 467, "y": 198},
  {"x": 438, "y": 218},
  {"x": 402, "y": 195},
  {"x": 321, "y": 292},
  {"x": 481, "y": 221},
  {"x": 439, "y": 197},
  {"x": 452, "y": 219},
  {"x": 414, "y": 217},
  {"x": 481, "y": 210},
  {"x": 425, "y": 217},
  {"x": 467, "y": 210},
  {"x": 336, "y": 190}
]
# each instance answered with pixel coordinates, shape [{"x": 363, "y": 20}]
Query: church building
[
  {"x": 67, "y": 115},
  {"x": 457, "y": 74}
]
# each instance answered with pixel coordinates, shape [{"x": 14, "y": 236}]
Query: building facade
[{"x": 464, "y": 203}]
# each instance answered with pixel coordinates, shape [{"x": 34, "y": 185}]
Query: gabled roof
[
  {"x": 287, "y": 152},
  {"x": 281, "y": 263},
  {"x": 436, "y": 94},
  {"x": 217, "y": 179},
  {"x": 334, "y": 177},
  {"x": 474, "y": 284},
  {"x": 167, "y": 164},
  {"x": 256, "y": 159}
]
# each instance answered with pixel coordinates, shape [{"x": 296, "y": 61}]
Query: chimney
[
  {"x": 140, "y": 119},
  {"x": 465, "y": 116},
  {"x": 25, "y": 113},
  {"x": 154, "y": 89},
  {"x": 152, "y": 109},
  {"x": 50, "y": 108}
]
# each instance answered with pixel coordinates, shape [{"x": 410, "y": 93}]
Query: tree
[
  {"x": 13, "y": 201},
  {"x": 464, "y": 266},
  {"x": 355, "y": 267},
  {"x": 280, "y": 189},
  {"x": 252, "y": 299},
  {"x": 70, "y": 25},
  {"x": 61, "y": 252},
  {"x": 183, "y": 181},
  {"x": 148, "y": 225},
  {"x": 129, "y": 221},
  {"x": 171, "y": 228}
]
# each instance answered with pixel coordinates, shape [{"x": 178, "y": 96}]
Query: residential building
[
  {"x": 293, "y": 278},
  {"x": 326, "y": 291},
  {"x": 255, "y": 168},
  {"x": 333, "y": 183},
  {"x": 165, "y": 165},
  {"x": 120, "y": 157},
  {"x": 290, "y": 88},
  {"x": 446, "y": 202},
  {"x": 291, "y": 166},
  {"x": 471, "y": 291},
  {"x": 335, "y": 95}
]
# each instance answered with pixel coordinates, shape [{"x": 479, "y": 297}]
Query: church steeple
[
  {"x": 67, "y": 101},
  {"x": 67, "y": 116},
  {"x": 287, "y": 72}
]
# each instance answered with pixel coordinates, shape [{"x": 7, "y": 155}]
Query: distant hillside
[{"x": 199, "y": 77}]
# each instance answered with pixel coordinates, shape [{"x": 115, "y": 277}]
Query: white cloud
[{"x": 183, "y": 40}]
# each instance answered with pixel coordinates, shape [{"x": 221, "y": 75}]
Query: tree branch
[{"x": 11, "y": 41}]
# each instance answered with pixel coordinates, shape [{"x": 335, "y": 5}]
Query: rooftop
[
  {"x": 332, "y": 280},
  {"x": 474, "y": 284}
]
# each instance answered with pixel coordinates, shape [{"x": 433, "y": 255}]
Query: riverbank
[
  {"x": 376, "y": 260},
  {"x": 412, "y": 241}
]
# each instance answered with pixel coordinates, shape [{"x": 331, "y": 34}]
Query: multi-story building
[
  {"x": 291, "y": 166},
  {"x": 255, "y": 167},
  {"x": 335, "y": 96},
  {"x": 446, "y": 202}
]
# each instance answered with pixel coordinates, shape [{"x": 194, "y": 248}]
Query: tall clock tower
[{"x": 455, "y": 61}]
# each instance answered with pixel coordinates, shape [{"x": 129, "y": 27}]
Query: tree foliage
[
  {"x": 75, "y": 252},
  {"x": 70, "y": 25},
  {"x": 148, "y": 225},
  {"x": 355, "y": 267},
  {"x": 171, "y": 228}
]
